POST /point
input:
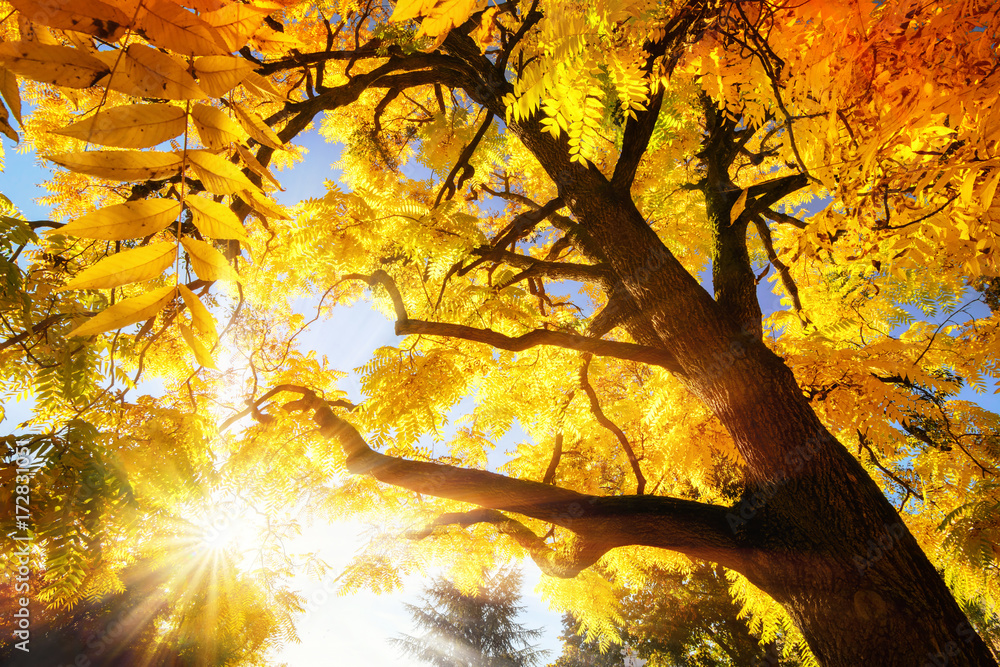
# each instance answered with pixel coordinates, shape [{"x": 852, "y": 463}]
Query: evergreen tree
[
  {"x": 478, "y": 630},
  {"x": 580, "y": 651}
]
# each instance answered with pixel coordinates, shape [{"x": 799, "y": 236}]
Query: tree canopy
[{"x": 572, "y": 212}]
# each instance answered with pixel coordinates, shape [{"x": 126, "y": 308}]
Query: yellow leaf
[
  {"x": 167, "y": 25},
  {"x": 201, "y": 353},
  {"x": 11, "y": 95},
  {"x": 142, "y": 71},
  {"x": 5, "y": 126},
  {"x": 217, "y": 174},
  {"x": 261, "y": 87},
  {"x": 216, "y": 129},
  {"x": 251, "y": 161},
  {"x": 236, "y": 22},
  {"x": 58, "y": 65},
  {"x": 215, "y": 220},
  {"x": 256, "y": 127},
  {"x": 130, "y": 266},
  {"x": 440, "y": 16},
  {"x": 200, "y": 316},
  {"x": 965, "y": 192},
  {"x": 127, "y": 312},
  {"x": 208, "y": 263},
  {"x": 990, "y": 189},
  {"x": 263, "y": 206},
  {"x": 121, "y": 165},
  {"x": 483, "y": 34},
  {"x": 90, "y": 16},
  {"x": 129, "y": 126},
  {"x": 201, "y": 5},
  {"x": 738, "y": 207},
  {"x": 274, "y": 41},
  {"x": 131, "y": 220},
  {"x": 219, "y": 74}
]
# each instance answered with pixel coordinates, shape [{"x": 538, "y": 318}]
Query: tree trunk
[{"x": 824, "y": 540}]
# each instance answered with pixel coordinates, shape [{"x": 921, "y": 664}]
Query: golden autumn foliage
[{"x": 672, "y": 241}]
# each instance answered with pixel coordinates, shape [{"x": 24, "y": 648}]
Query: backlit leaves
[
  {"x": 130, "y": 126},
  {"x": 207, "y": 262},
  {"x": 217, "y": 174},
  {"x": 129, "y": 311},
  {"x": 220, "y": 74},
  {"x": 168, "y": 25},
  {"x": 201, "y": 352},
  {"x": 216, "y": 129},
  {"x": 93, "y": 17},
  {"x": 58, "y": 65},
  {"x": 121, "y": 165},
  {"x": 215, "y": 220},
  {"x": 130, "y": 220},
  {"x": 143, "y": 71},
  {"x": 126, "y": 267},
  {"x": 256, "y": 127},
  {"x": 202, "y": 319}
]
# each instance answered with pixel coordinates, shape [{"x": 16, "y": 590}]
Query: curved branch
[
  {"x": 604, "y": 348},
  {"x": 37, "y": 328},
  {"x": 595, "y": 407},
  {"x": 786, "y": 277},
  {"x": 568, "y": 559},
  {"x": 601, "y": 523}
]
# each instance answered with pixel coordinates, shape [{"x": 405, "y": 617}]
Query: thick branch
[
  {"x": 538, "y": 267},
  {"x": 605, "y": 348},
  {"x": 634, "y": 142},
  {"x": 601, "y": 522}
]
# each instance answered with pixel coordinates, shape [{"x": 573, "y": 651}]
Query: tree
[
  {"x": 578, "y": 651},
  {"x": 680, "y": 618},
  {"x": 478, "y": 629},
  {"x": 588, "y": 164}
]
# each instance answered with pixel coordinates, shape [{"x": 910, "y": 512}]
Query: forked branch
[
  {"x": 601, "y": 523},
  {"x": 405, "y": 326}
]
